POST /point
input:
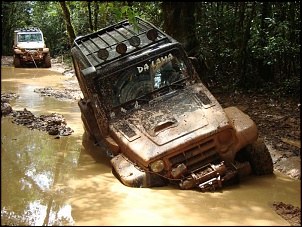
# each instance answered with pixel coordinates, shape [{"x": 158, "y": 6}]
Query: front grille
[{"x": 197, "y": 156}]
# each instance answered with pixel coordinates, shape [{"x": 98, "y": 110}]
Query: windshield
[
  {"x": 139, "y": 80},
  {"x": 32, "y": 37}
]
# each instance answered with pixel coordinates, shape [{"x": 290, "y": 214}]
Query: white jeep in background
[{"x": 29, "y": 47}]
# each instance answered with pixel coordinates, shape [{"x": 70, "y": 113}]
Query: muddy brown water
[{"x": 47, "y": 181}]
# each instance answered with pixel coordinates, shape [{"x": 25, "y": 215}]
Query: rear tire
[
  {"x": 259, "y": 157},
  {"x": 17, "y": 61},
  {"x": 47, "y": 61}
]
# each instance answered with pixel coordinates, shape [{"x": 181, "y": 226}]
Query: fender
[{"x": 245, "y": 127}]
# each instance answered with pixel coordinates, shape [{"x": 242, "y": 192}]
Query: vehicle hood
[{"x": 168, "y": 119}]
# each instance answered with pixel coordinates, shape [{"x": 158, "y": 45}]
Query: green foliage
[
  {"x": 272, "y": 53},
  {"x": 242, "y": 44}
]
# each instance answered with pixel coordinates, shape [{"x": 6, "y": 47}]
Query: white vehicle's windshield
[
  {"x": 31, "y": 37},
  {"x": 140, "y": 80}
]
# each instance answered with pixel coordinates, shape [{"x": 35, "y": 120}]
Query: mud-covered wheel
[
  {"x": 259, "y": 158},
  {"x": 47, "y": 61},
  {"x": 17, "y": 61}
]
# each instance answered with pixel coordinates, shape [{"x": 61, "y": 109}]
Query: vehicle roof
[{"x": 118, "y": 40}]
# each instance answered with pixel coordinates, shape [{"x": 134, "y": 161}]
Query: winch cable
[{"x": 33, "y": 60}]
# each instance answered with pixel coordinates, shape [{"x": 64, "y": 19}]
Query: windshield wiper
[
  {"x": 179, "y": 84},
  {"x": 142, "y": 100}
]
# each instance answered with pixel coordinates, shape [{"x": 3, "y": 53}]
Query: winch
[{"x": 208, "y": 177}]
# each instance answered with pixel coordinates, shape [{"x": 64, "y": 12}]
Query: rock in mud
[
  {"x": 6, "y": 107},
  {"x": 54, "y": 123}
]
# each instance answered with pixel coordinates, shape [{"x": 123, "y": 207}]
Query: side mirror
[{"x": 194, "y": 62}]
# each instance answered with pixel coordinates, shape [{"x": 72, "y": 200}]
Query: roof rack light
[
  {"x": 152, "y": 34},
  {"x": 121, "y": 48},
  {"x": 135, "y": 41},
  {"x": 103, "y": 54}
]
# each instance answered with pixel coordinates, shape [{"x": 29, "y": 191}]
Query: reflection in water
[
  {"x": 47, "y": 181},
  {"x": 34, "y": 173},
  {"x": 35, "y": 167}
]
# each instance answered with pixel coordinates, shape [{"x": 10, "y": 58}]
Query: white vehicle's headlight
[{"x": 157, "y": 166}]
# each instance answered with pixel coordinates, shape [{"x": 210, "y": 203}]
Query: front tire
[
  {"x": 17, "y": 61},
  {"x": 47, "y": 61},
  {"x": 259, "y": 157}
]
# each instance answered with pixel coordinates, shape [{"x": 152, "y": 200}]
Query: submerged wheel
[
  {"x": 89, "y": 133},
  {"x": 47, "y": 61},
  {"x": 259, "y": 157},
  {"x": 17, "y": 61}
]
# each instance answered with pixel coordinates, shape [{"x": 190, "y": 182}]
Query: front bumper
[
  {"x": 31, "y": 54},
  {"x": 207, "y": 178}
]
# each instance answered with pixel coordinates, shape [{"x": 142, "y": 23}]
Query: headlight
[
  {"x": 157, "y": 166},
  {"x": 225, "y": 138}
]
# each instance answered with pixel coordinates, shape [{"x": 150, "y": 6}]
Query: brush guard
[{"x": 207, "y": 178}]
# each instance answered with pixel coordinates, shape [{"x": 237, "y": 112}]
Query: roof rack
[
  {"x": 118, "y": 40},
  {"x": 30, "y": 29}
]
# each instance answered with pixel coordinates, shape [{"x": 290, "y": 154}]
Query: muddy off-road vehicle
[
  {"x": 29, "y": 47},
  {"x": 147, "y": 108}
]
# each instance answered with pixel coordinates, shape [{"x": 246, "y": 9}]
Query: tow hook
[{"x": 209, "y": 177}]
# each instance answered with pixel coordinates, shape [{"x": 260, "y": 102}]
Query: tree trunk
[
  {"x": 179, "y": 22},
  {"x": 96, "y": 14},
  {"x": 241, "y": 15},
  {"x": 244, "y": 48},
  {"x": 69, "y": 27},
  {"x": 89, "y": 15},
  {"x": 265, "y": 70}
]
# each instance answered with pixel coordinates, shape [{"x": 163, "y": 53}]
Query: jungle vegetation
[{"x": 252, "y": 46}]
